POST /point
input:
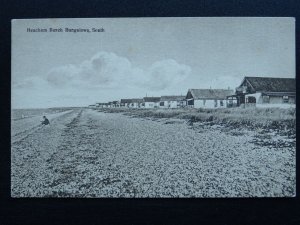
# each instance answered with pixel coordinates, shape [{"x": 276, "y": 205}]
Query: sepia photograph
[{"x": 157, "y": 107}]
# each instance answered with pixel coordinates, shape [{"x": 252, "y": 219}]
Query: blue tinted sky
[{"x": 139, "y": 56}]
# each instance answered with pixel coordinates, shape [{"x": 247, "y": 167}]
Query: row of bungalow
[{"x": 252, "y": 92}]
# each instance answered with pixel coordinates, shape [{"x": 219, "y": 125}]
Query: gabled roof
[
  {"x": 271, "y": 84},
  {"x": 132, "y": 100},
  {"x": 210, "y": 93},
  {"x": 137, "y": 100},
  {"x": 172, "y": 98},
  {"x": 126, "y": 101},
  {"x": 151, "y": 99}
]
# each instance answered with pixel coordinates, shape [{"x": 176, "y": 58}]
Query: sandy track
[{"x": 92, "y": 154}]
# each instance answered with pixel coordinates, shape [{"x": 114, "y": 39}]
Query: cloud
[
  {"x": 103, "y": 77},
  {"x": 30, "y": 83},
  {"x": 108, "y": 70},
  {"x": 166, "y": 73}
]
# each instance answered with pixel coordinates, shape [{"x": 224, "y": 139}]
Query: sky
[{"x": 135, "y": 57}]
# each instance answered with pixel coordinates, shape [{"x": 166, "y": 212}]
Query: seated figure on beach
[{"x": 45, "y": 121}]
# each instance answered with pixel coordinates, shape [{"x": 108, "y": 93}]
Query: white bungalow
[
  {"x": 266, "y": 92},
  {"x": 125, "y": 102},
  {"x": 136, "y": 103},
  {"x": 105, "y": 105},
  {"x": 151, "y": 102},
  {"x": 115, "y": 104},
  {"x": 207, "y": 98},
  {"x": 100, "y": 105},
  {"x": 173, "y": 101}
]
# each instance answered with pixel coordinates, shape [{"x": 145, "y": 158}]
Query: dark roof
[
  {"x": 270, "y": 84},
  {"x": 210, "y": 93},
  {"x": 137, "y": 100},
  {"x": 126, "y": 100},
  {"x": 151, "y": 99},
  {"x": 132, "y": 100},
  {"x": 172, "y": 98}
]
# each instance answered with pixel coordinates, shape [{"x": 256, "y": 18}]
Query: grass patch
[{"x": 282, "y": 120}]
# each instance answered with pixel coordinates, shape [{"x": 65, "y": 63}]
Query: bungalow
[
  {"x": 105, "y": 105},
  {"x": 99, "y": 105},
  {"x": 174, "y": 101},
  {"x": 207, "y": 98},
  {"x": 136, "y": 103},
  {"x": 151, "y": 102},
  {"x": 110, "y": 104},
  {"x": 115, "y": 104},
  {"x": 265, "y": 92},
  {"x": 125, "y": 102}
]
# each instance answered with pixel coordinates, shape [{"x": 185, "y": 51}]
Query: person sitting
[{"x": 45, "y": 121}]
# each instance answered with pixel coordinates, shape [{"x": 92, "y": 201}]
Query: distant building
[
  {"x": 265, "y": 92},
  {"x": 174, "y": 101},
  {"x": 207, "y": 98},
  {"x": 151, "y": 102},
  {"x": 136, "y": 103},
  {"x": 100, "y": 105},
  {"x": 105, "y": 105},
  {"x": 115, "y": 104},
  {"x": 132, "y": 103},
  {"x": 110, "y": 104},
  {"x": 125, "y": 102}
]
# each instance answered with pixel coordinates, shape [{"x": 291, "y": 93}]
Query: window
[
  {"x": 221, "y": 103},
  {"x": 266, "y": 99},
  {"x": 251, "y": 99},
  {"x": 190, "y": 102},
  {"x": 216, "y": 103},
  {"x": 204, "y": 101},
  {"x": 162, "y": 103},
  {"x": 285, "y": 99}
]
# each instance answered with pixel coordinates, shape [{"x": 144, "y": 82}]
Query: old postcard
[{"x": 153, "y": 107}]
